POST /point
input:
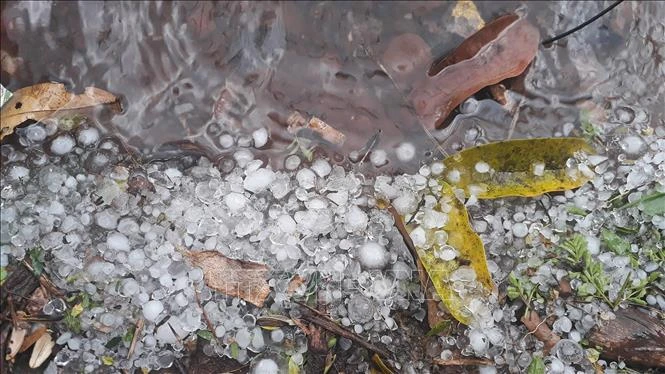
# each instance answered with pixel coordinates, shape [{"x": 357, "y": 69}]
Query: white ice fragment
[
  {"x": 633, "y": 145},
  {"x": 19, "y": 172},
  {"x": 106, "y": 219},
  {"x": 118, "y": 242},
  {"x": 355, "y": 219},
  {"x": 56, "y": 208},
  {"x": 454, "y": 176},
  {"x": 152, "y": 309},
  {"x": 539, "y": 169},
  {"x": 596, "y": 159},
  {"x": 277, "y": 335},
  {"x": 418, "y": 237},
  {"x": 306, "y": 178},
  {"x": 433, "y": 219},
  {"x": 478, "y": 341},
  {"x": 260, "y": 137},
  {"x": 340, "y": 198},
  {"x": 226, "y": 141},
  {"x": 220, "y": 331},
  {"x": 378, "y": 157},
  {"x": 63, "y": 144},
  {"x": 266, "y": 366},
  {"x": 405, "y": 203},
  {"x": 235, "y": 201},
  {"x": 292, "y": 162},
  {"x": 405, "y": 151},
  {"x": 593, "y": 244},
  {"x": 372, "y": 255},
  {"x": 88, "y": 137},
  {"x": 447, "y": 253},
  {"x": 321, "y": 167},
  {"x": 437, "y": 168},
  {"x": 286, "y": 223},
  {"x": 259, "y": 180},
  {"x": 520, "y": 230},
  {"x": 482, "y": 167},
  {"x": 243, "y": 337}
]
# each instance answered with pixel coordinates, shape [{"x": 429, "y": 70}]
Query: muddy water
[{"x": 196, "y": 70}]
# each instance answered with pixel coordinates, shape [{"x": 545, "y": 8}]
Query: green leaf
[
  {"x": 439, "y": 328},
  {"x": 470, "y": 253},
  {"x": 332, "y": 342},
  {"x": 113, "y": 342},
  {"x": 36, "y": 260},
  {"x": 537, "y": 366},
  {"x": 524, "y": 167},
  {"x": 235, "y": 350},
  {"x": 129, "y": 335},
  {"x": 614, "y": 242},
  {"x": 205, "y": 334},
  {"x": 3, "y": 274},
  {"x": 653, "y": 204}
]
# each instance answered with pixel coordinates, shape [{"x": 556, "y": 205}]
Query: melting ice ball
[{"x": 372, "y": 255}]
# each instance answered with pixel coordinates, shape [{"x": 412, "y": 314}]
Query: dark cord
[{"x": 561, "y": 36}]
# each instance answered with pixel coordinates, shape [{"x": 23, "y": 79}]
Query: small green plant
[
  {"x": 303, "y": 146},
  {"x": 595, "y": 282},
  {"x": 524, "y": 290}
]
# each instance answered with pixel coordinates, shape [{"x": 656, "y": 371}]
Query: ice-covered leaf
[
  {"x": 454, "y": 258},
  {"x": 652, "y": 204},
  {"x": 524, "y": 167},
  {"x": 246, "y": 280},
  {"x": 46, "y": 100}
]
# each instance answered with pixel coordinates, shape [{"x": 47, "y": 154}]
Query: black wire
[{"x": 561, "y": 36}]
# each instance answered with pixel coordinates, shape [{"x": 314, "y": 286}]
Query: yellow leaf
[
  {"x": 435, "y": 250},
  {"x": 524, "y": 167},
  {"x": 107, "y": 360},
  {"x": 467, "y": 10},
  {"x": 76, "y": 310},
  {"x": 46, "y": 100}
]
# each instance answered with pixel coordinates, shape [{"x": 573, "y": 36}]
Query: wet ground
[{"x": 196, "y": 70}]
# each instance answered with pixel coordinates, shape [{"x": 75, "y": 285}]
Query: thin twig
[
  {"x": 135, "y": 338},
  {"x": 463, "y": 361},
  {"x": 317, "y": 318},
  {"x": 581, "y": 26}
]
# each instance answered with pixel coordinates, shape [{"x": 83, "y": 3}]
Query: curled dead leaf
[
  {"x": 42, "y": 350},
  {"x": 502, "y": 49},
  {"x": 244, "y": 279},
  {"x": 46, "y": 100},
  {"x": 15, "y": 342},
  {"x": 32, "y": 338}
]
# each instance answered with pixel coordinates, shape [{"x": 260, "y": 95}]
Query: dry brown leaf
[
  {"x": 32, "y": 338},
  {"x": 42, "y": 350},
  {"x": 46, "y": 100},
  {"x": 15, "y": 342},
  {"x": 504, "y": 48},
  {"x": 246, "y": 280}
]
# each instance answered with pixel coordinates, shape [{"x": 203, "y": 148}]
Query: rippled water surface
[{"x": 196, "y": 70}]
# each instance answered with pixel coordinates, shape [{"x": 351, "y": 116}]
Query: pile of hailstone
[{"x": 112, "y": 229}]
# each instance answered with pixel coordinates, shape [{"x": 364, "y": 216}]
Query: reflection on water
[{"x": 202, "y": 70}]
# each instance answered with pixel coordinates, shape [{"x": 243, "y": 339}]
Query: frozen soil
[{"x": 109, "y": 230}]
